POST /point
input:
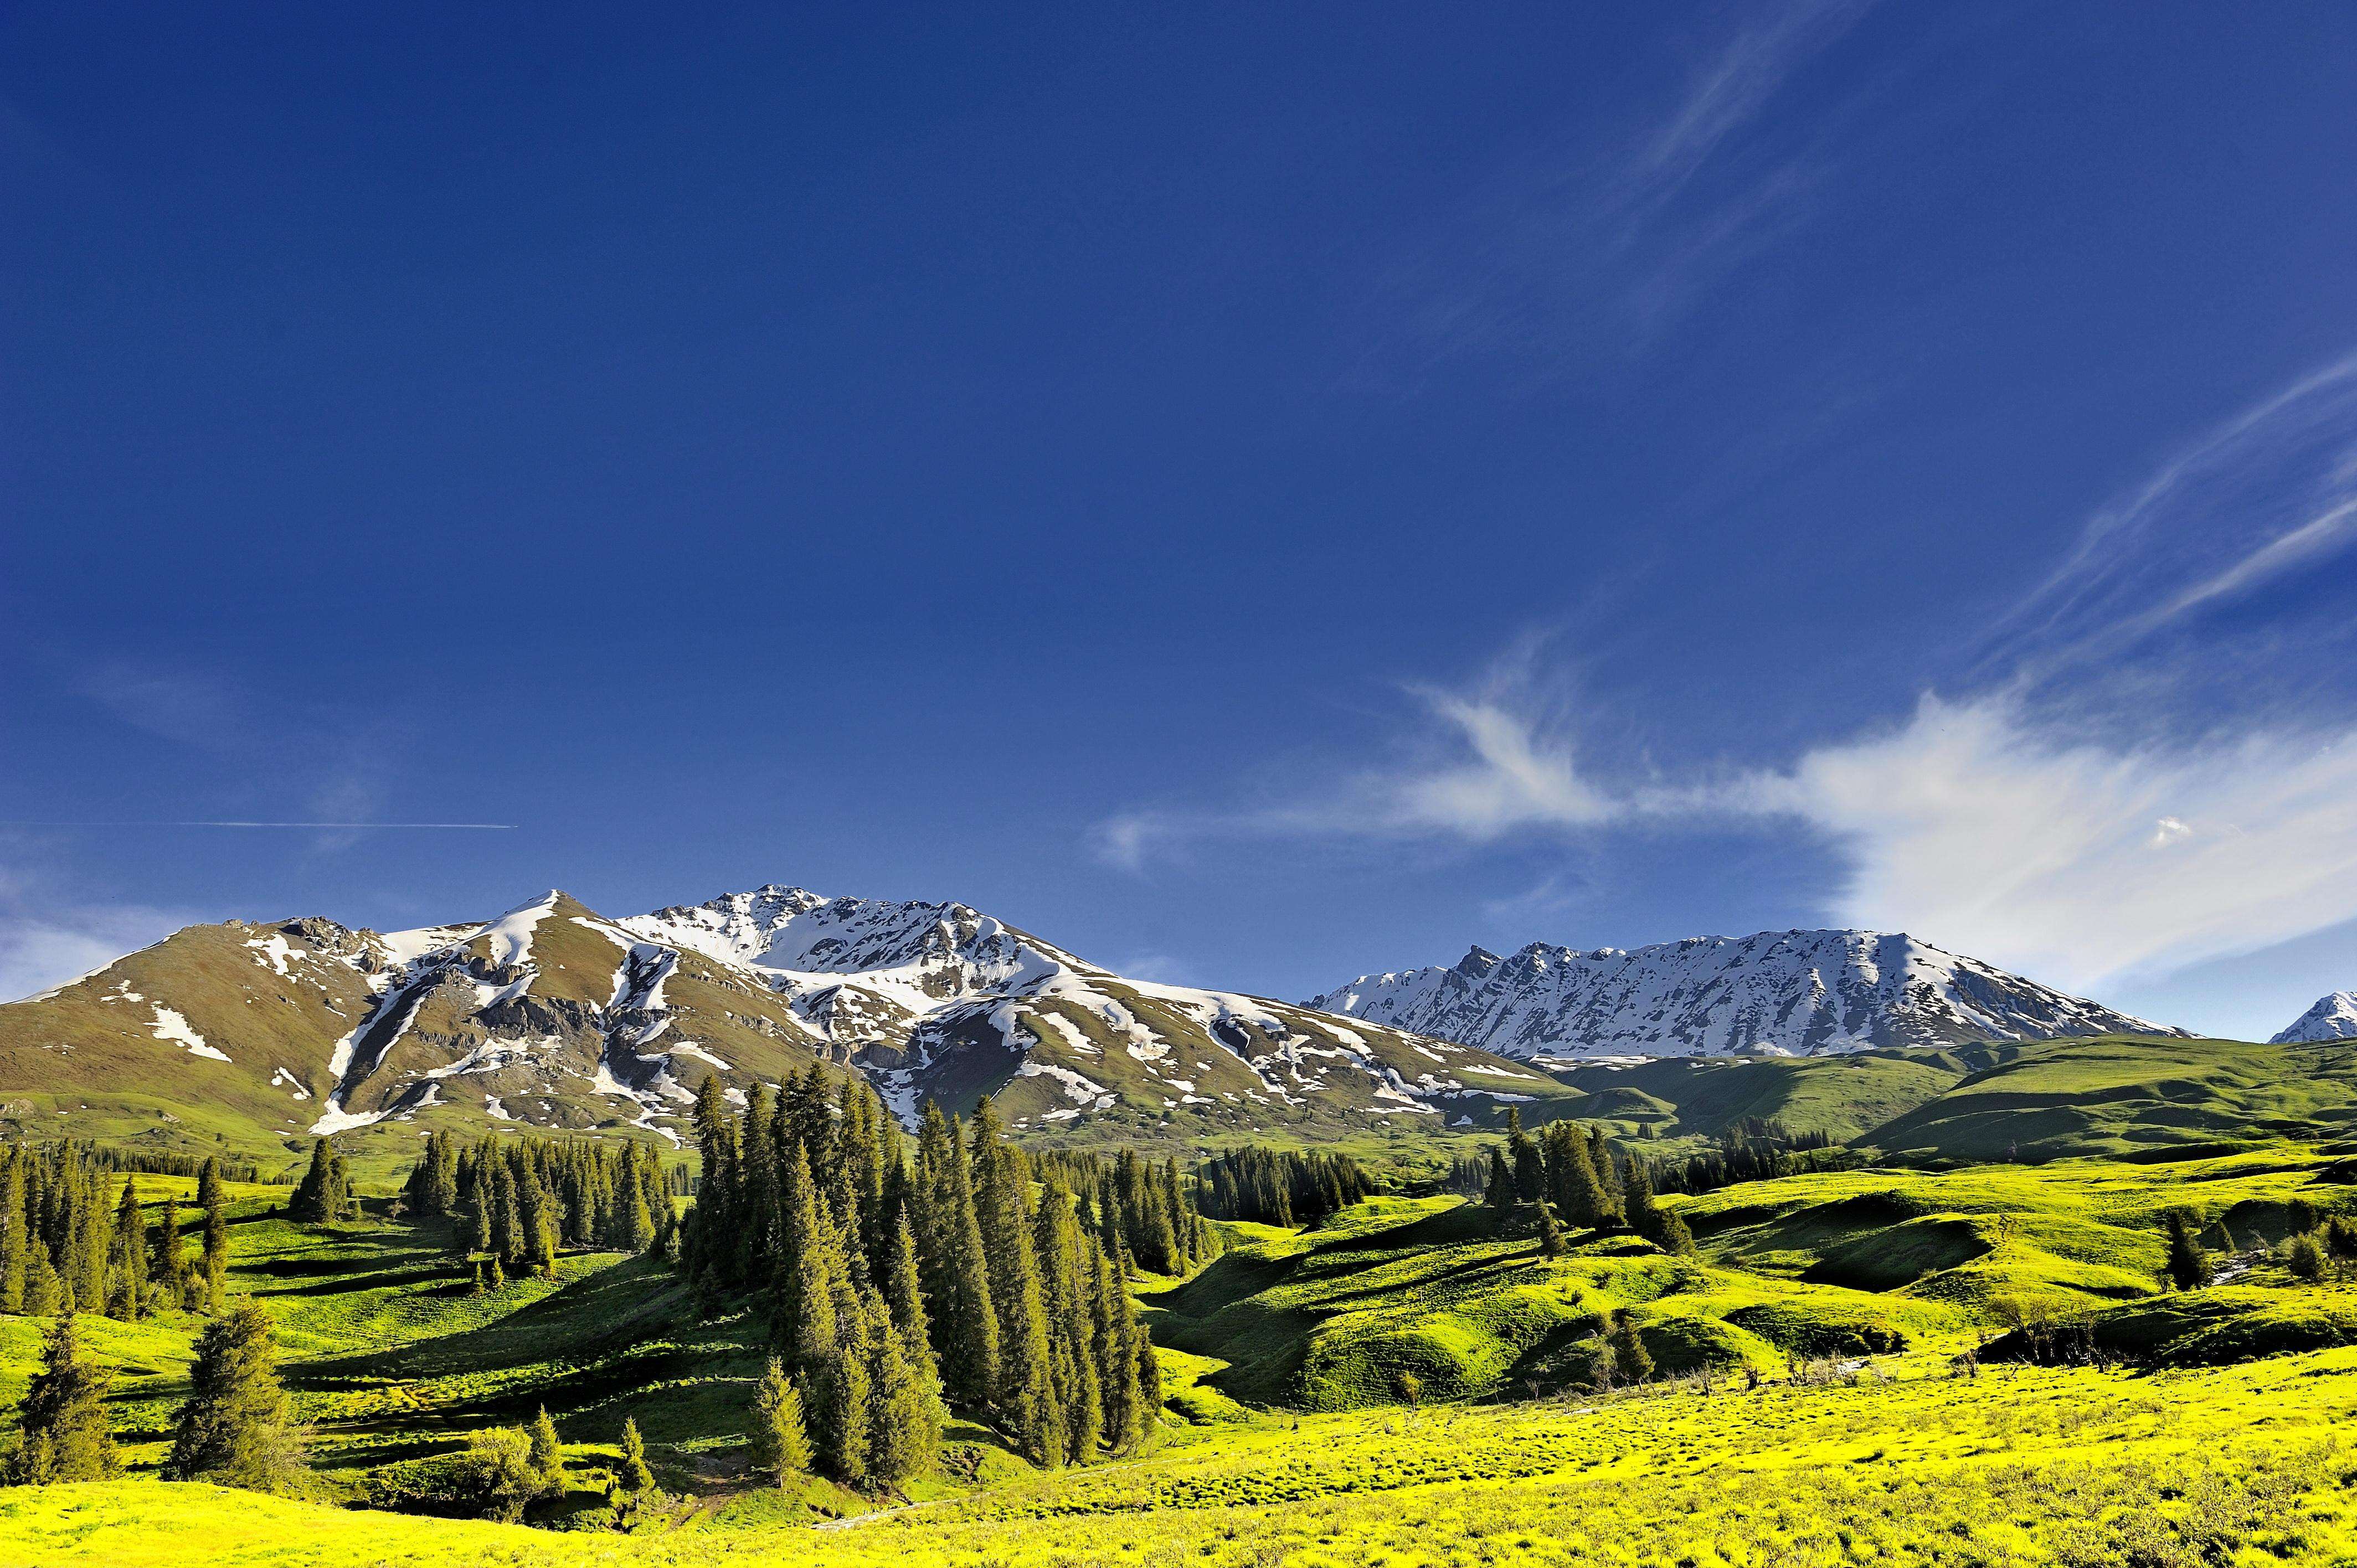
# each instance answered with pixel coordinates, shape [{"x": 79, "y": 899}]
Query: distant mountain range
[
  {"x": 1788, "y": 993},
  {"x": 2333, "y": 1017},
  {"x": 555, "y": 1016},
  {"x": 252, "y": 1036}
]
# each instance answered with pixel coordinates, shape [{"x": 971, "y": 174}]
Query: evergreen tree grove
[{"x": 966, "y": 1276}]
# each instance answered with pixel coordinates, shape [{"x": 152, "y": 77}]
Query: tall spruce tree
[
  {"x": 779, "y": 1442},
  {"x": 1025, "y": 1397},
  {"x": 62, "y": 1425},
  {"x": 237, "y": 1428},
  {"x": 214, "y": 1259},
  {"x": 16, "y": 1232},
  {"x": 547, "y": 1452},
  {"x": 1523, "y": 1154},
  {"x": 319, "y": 1197},
  {"x": 1499, "y": 1191},
  {"x": 634, "y": 1476},
  {"x": 129, "y": 1301},
  {"x": 904, "y": 1429},
  {"x": 964, "y": 1315},
  {"x": 171, "y": 1267}
]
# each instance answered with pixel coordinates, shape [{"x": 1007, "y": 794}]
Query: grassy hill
[
  {"x": 2018, "y": 1468},
  {"x": 2020, "y": 1101},
  {"x": 1811, "y": 1404}
]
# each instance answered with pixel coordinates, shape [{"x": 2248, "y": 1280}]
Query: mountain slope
[
  {"x": 1788, "y": 993},
  {"x": 941, "y": 1000},
  {"x": 249, "y": 1037},
  {"x": 2333, "y": 1017}
]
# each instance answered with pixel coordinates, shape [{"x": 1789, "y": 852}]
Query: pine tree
[
  {"x": 1550, "y": 1233},
  {"x": 547, "y": 1452},
  {"x": 903, "y": 1291},
  {"x": 1628, "y": 1352},
  {"x": 965, "y": 1317},
  {"x": 638, "y": 1234},
  {"x": 87, "y": 1246},
  {"x": 1146, "y": 1367},
  {"x": 170, "y": 1267},
  {"x": 806, "y": 1312},
  {"x": 236, "y": 1428},
  {"x": 1498, "y": 1192},
  {"x": 1113, "y": 1348},
  {"x": 319, "y": 1198},
  {"x": 1024, "y": 1397},
  {"x": 62, "y": 1425},
  {"x": 478, "y": 1227},
  {"x": 215, "y": 1257},
  {"x": 129, "y": 1302},
  {"x": 45, "y": 1288},
  {"x": 1658, "y": 1225},
  {"x": 904, "y": 1430},
  {"x": 1607, "y": 1178},
  {"x": 1523, "y": 1153},
  {"x": 14, "y": 1230},
  {"x": 2188, "y": 1267},
  {"x": 636, "y": 1480},
  {"x": 844, "y": 1416},
  {"x": 1074, "y": 1377},
  {"x": 781, "y": 1444},
  {"x": 1572, "y": 1181}
]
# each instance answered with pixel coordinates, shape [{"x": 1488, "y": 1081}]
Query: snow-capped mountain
[
  {"x": 557, "y": 1017},
  {"x": 1785, "y": 992},
  {"x": 2333, "y": 1017}
]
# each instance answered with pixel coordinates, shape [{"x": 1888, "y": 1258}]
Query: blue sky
[{"x": 1255, "y": 494}]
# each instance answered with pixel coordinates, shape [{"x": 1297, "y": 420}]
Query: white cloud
[
  {"x": 40, "y": 953},
  {"x": 1973, "y": 824},
  {"x": 1991, "y": 832},
  {"x": 2070, "y": 813}
]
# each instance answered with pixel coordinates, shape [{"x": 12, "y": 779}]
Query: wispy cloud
[
  {"x": 1735, "y": 86},
  {"x": 2036, "y": 818},
  {"x": 1479, "y": 767},
  {"x": 2268, "y": 492},
  {"x": 48, "y": 940},
  {"x": 1614, "y": 240}
]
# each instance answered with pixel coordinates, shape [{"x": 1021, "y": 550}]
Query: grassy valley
[{"x": 1920, "y": 1362}]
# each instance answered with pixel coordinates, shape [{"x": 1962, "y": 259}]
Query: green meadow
[{"x": 1912, "y": 1358}]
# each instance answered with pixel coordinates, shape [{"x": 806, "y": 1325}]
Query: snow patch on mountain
[{"x": 170, "y": 1026}]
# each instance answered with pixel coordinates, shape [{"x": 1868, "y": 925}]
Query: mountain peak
[{"x": 2334, "y": 1017}]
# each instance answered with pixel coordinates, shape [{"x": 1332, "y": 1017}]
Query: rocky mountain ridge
[
  {"x": 1785, "y": 992},
  {"x": 555, "y": 1016}
]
